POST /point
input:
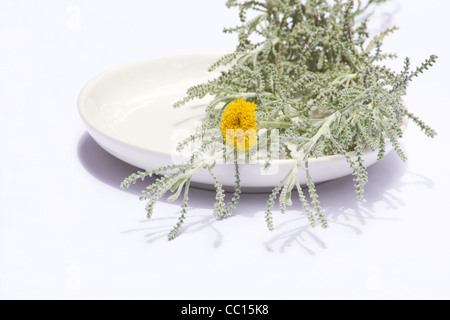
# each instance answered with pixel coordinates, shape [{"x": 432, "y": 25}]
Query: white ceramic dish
[{"x": 128, "y": 111}]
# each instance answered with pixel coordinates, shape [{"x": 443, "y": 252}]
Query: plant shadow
[
  {"x": 112, "y": 171},
  {"x": 338, "y": 199},
  {"x": 343, "y": 209}
]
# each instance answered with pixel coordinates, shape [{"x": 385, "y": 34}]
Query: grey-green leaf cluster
[{"x": 318, "y": 77}]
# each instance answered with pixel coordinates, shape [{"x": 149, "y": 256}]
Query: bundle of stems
[{"x": 315, "y": 75}]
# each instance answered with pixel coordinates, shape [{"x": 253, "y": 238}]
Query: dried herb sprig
[{"x": 316, "y": 76}]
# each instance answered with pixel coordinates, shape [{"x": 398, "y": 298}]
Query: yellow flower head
[{"x": 239, "y": 124}]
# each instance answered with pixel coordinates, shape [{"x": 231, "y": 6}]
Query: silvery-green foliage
[{"x": 317, "y": 77}]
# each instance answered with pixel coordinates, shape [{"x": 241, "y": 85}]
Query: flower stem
[{"x": 274, "y": 125}]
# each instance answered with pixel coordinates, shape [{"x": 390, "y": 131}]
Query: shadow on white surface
[
  {"x": 381, "y": 198},
  {"x": 157, "y": 229},
  {"x": 105, "y": 167},
  {"x": 112, "y": 171},
  {"x": 338, "y": 199}
]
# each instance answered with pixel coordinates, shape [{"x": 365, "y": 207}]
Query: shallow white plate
[{"x": 128, "y": 111}]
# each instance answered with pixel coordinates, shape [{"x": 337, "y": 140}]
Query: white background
[{"x": 68, "y": 232}]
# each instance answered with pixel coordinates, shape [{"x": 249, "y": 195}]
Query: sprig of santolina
[{"x": 316, "y": 76}]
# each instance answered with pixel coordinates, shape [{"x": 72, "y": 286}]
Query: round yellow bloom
[{"x": 239, "y": 124}]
